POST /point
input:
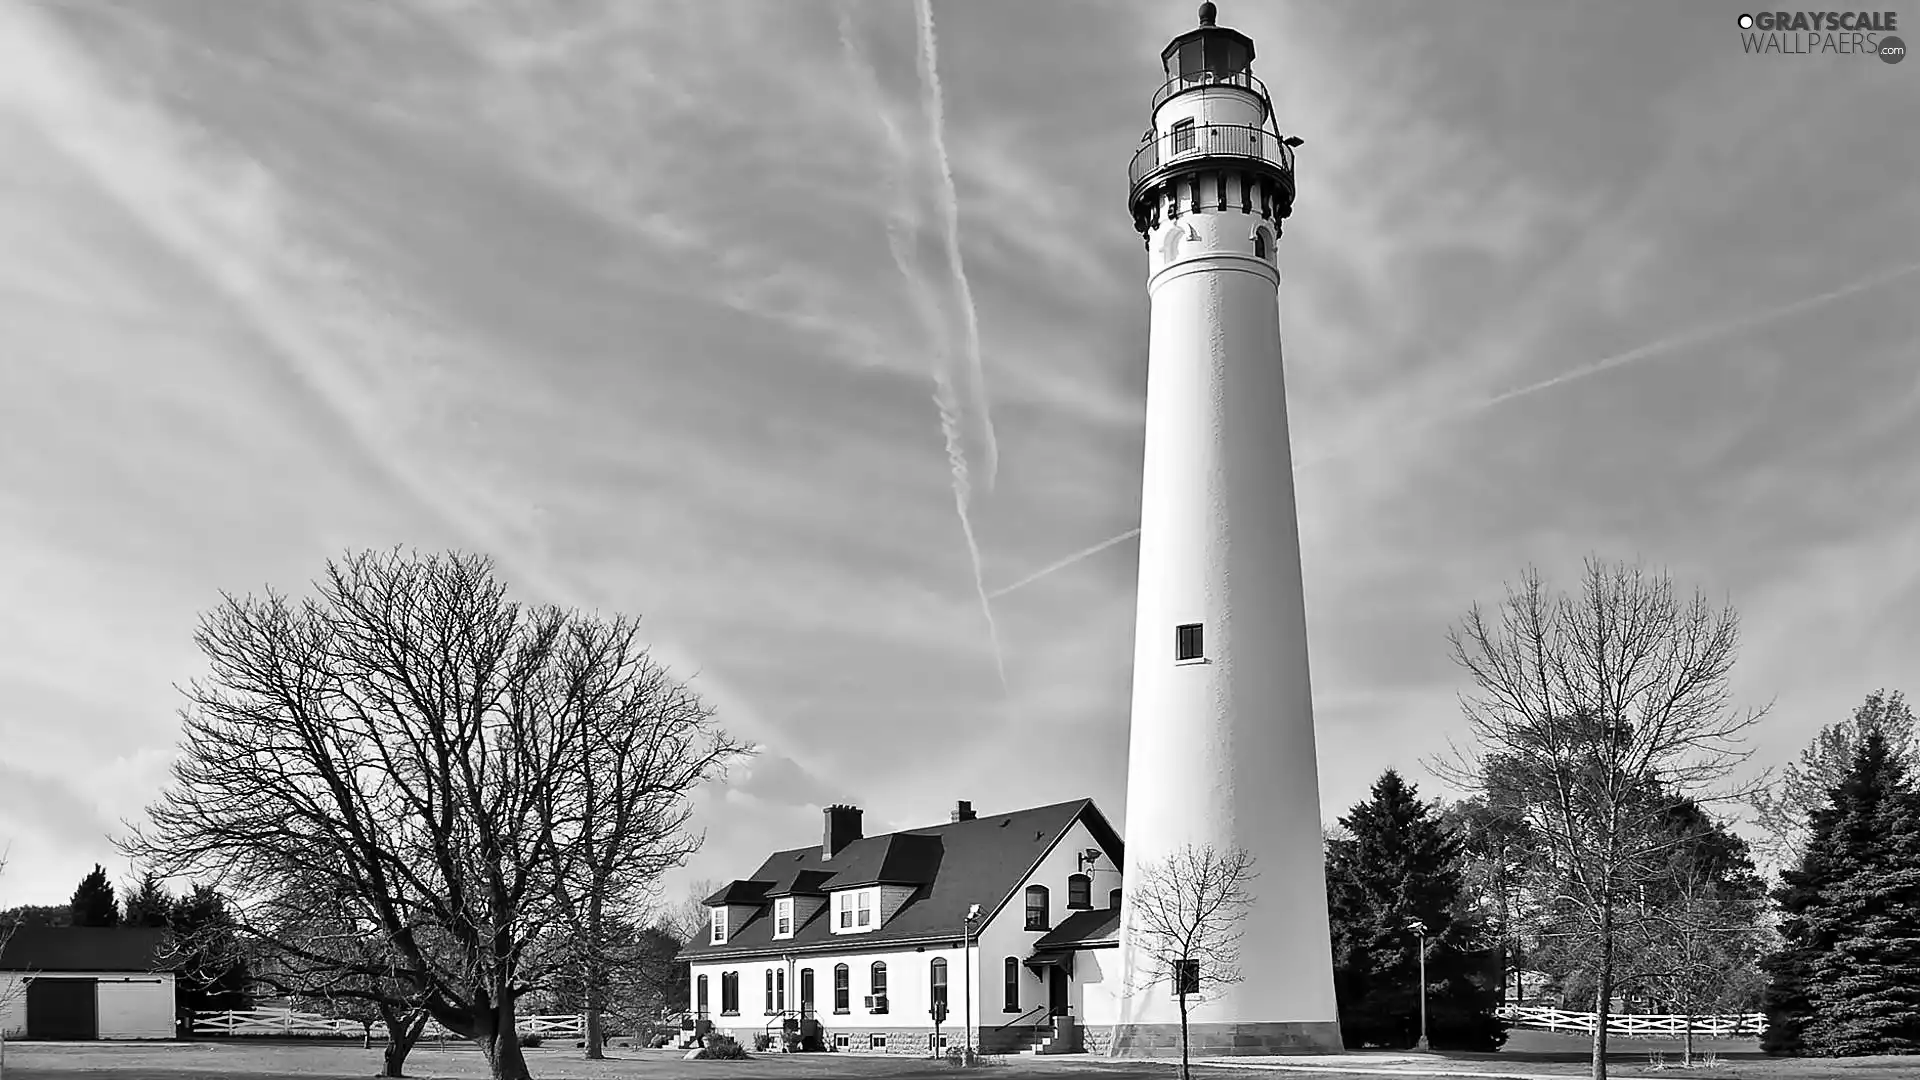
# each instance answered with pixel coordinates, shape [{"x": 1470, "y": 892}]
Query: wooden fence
[
  {"x": 288, "y": 1023},
  {"x": 1538, "y": 1019}
]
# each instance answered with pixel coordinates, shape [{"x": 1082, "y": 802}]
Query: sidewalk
[{"x": 1383, "y": 1065}]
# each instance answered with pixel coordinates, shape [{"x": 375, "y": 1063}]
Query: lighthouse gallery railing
[{"x": 1207, "y": 141}]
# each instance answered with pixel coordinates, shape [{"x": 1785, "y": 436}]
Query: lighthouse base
[{"x": 1226, "y": 1040}]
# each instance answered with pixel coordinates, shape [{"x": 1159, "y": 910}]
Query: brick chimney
[
  {"x": 843, "y": 828},
  {"x": 962, "y": 811}
]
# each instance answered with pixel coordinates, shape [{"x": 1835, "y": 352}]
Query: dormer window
[
  {"x": 783, "y": 917},
  {"x": 865, "y": 908},
  {"x": 856, "y": 911}
]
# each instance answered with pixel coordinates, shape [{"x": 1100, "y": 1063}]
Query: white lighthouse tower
[{"x": 1222, "y": 737}]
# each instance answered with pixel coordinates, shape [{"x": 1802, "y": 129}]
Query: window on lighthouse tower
[{"x": 1187, "y": 642}]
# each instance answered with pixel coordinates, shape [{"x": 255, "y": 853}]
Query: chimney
[
  {"x": 962, "y": 811},
  {"x": 843, "y": 828}
]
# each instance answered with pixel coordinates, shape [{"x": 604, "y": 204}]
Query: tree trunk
[
  {"x": 1603, "y": 990},
  {"x": 1686, "y": 1054},
  {"x": 499, "y": 1039},
  {"x": 596, "y": 1007},
  {"x": 403, "y": 1030},
  {"x": 1185, "y": 1071}
]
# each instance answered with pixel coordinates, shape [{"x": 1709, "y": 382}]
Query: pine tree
[
  {"x": 213, "y": 974},
  {"x": 148, "y": 904},
  {"x": 1397, "y": 864},
  {"x": 93, "y": 903},
  {"x": 1863, "y": 989}
]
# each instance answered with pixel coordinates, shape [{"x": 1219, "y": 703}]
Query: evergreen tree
[
  {"x": 148, "y": 904},
  {"x": 1863, "y": 989},
  {"x": 1397, "y": 865},
  {"x": 213, "y": 974},
  {"x": 93, "y": 903}
]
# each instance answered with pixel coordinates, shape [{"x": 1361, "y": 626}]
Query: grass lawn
[{"x": 1528, "y": 1056}]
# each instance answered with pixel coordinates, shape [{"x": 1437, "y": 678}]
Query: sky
[{"x": 814, "y": 334}]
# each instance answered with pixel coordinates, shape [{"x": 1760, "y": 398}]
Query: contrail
[
  {"x": 1643, "y": 352},
  {"x": 1063, "y": 563},
  {"x": 933, "y": 104},
  {"x": 903, "y": 224}
]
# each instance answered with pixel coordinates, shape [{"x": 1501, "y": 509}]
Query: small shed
[{"x": 86, "y": 983}]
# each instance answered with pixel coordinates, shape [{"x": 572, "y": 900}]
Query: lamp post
[
  {"x": 1420, "y": 935},
  {"x": 966, "y": 967}
]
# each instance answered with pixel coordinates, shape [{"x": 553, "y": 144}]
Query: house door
[
  {"x": 62, "y": 1009},
  {"x": 806, "y": 992},
  {"x": 1056, "y": 991}
]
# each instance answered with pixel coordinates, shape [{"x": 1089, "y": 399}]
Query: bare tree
[
  {"x": 1593, "y": 717},
  {"x": 13, "y": 989},
  {"x": 1702, "y": 939},
  {"x": 410, "y": 739},
  {"x": 1782, "y": 808},
  {"x": 646, "y": 741},
  {"x": 1187, "y": 913}
]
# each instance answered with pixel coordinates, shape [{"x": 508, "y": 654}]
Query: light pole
[
  {"x": 966, "y": 967},
  {"x": 1420, "y": 935}
]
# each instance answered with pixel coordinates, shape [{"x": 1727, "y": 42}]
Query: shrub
[
  {"x": 529, "y": 1039},
  {"x": 724, "y": 1048},
  {"x": 763, "y": 1042}
]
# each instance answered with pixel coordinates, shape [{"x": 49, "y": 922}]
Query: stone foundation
[{"x": 1222, "y": 1040}]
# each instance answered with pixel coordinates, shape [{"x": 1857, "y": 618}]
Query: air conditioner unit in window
[{"x": 877, "y": 1003}]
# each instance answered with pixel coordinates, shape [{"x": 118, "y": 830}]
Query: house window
[
  {"x": 842, "y": 1041},
  {"x": 841, "y": 988},
  {"x": 1186, "y": 978},
  {"x": 1187, "y": 644},
  {"x": 877, "y": 1041},
  {"x": 865, "y": 901},
  {"x": 1113, "y": 900},
  {"x": 937, "y": 1043},
  {"x": 1079, "y": 892},
  {"x": 729, "y": 993},
  {"x": 769, "y": 991},
  {"x": 719, "y": 916},
  {"x": 700, "y": 997},
  {"x": 780, "y": 991},
  {"x": 1013, "y": 984},
  {"x": 877, "y": 985},
  {"x": 1038, "y": 916},
  {"x": 1182, "y": 136},
  {"x": 783, "y": 917},
  {"x": 937, "y": 981}
]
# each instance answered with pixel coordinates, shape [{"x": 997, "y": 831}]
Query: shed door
[{"x": 62, "y": 1009}]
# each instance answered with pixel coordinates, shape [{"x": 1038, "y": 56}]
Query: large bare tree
[
  {"x": 409, "y": 743},
  {"x": 1187, "y": 914},
  {"x": 1593, "y": 717},
  {"x": 646, "y": 741}
]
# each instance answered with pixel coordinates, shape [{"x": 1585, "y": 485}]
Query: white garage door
[{"x": 136, "y": 1008}]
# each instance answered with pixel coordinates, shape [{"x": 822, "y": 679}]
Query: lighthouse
[{"x": 1222, "y": 749}]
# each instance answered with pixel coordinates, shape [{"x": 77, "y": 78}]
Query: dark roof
[
  {"x": 740, "y": 892},
  {"x": 1081, "y": 929},
  {"x": 84, "y": 948},
  {"x": 951, "y": 867}
]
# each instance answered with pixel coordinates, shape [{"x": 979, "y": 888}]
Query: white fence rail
[
  {"x": 1635, "y": 1026},
  {"x": 288, "y": 1023}
]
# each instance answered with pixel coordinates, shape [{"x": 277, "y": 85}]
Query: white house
[
  {"x": 86, "y": 983},
  {"x": 849, "y": 944}
]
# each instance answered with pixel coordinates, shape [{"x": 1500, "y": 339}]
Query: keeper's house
[
  {"x": 86, "y": 983},
  {"x": 848, "y": 945}
]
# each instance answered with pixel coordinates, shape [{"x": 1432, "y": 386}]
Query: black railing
[
  {"x": 1200, "y": 141},
  {"x": 1200, "y": 80}
]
